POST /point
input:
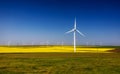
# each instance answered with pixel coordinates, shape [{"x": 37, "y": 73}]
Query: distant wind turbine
[
  {"x": 32, "y": 43},
  {"x": 74, "y": 30},
  {"x": 47, "y": 43},
  {"x": 8, "y": 43},
  {"x": 87, "y": 43},
  {"x": 100, "y": 43},
  {"x": 62, "y": 44}
]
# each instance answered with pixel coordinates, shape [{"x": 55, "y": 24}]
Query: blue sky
[{"x": 47, "y": 20}]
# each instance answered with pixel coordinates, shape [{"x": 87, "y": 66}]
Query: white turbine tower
[{"x": 74, "y": 30}]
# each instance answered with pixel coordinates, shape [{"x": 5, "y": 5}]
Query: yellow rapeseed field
[{"x": 51, "y": 49}]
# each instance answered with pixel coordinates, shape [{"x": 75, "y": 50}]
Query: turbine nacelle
[{"x": 76, "y": 30}]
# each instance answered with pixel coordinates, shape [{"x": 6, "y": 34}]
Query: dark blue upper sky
[{"x": 47, "y": 20}]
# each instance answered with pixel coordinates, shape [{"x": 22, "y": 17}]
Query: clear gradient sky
[{"x": 47, "y": 20}]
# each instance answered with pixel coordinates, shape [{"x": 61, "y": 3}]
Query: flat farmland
[
  {"x": 69, "y": 49},
  {"x": 59, "y": 60},
  {"x": 59, "y": 63}
]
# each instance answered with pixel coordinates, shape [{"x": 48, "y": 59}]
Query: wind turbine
[
  {"x": 8, "y": 43},
  {"x": 62, "y": 43},
  {"x": 100, "y": 43},
  {"x": 47, "y": 43},
  {"x": 74, "y": 30},
  {"x": 87, "y": 43}
]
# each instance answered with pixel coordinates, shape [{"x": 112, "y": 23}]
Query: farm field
[
  {"x": 59, "y": 63},
  {"x": 59, "y": 60},
  {"x": 24, "y": 49}
]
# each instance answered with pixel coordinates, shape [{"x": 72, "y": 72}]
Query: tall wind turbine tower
[{"x": 74, "y": 30}]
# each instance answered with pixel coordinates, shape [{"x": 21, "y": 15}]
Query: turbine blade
[
  {"x": 70, "y": 31},
  {"x": 80, "y": 33},
  {"x": 75, "y": 24}
]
